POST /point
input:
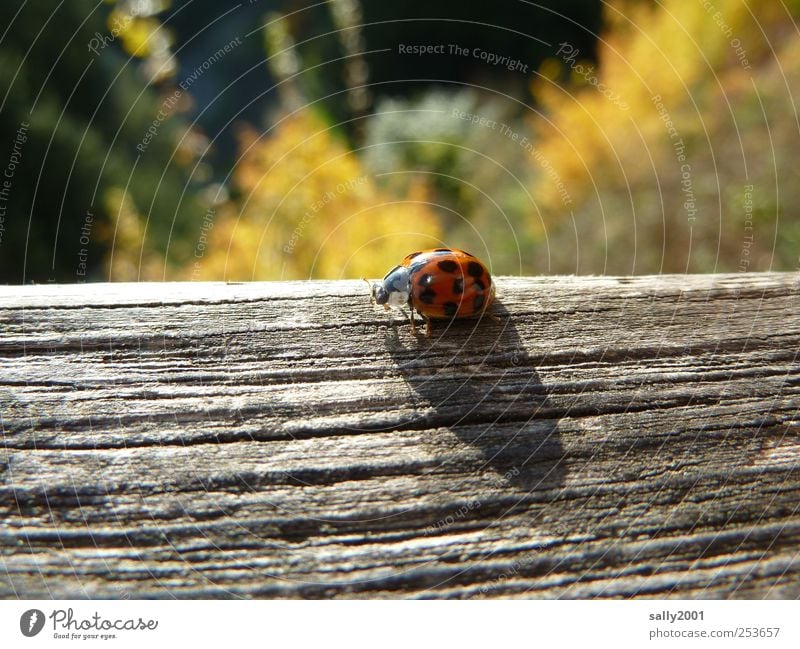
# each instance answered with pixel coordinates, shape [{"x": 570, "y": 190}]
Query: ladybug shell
[{"x": 448, "y": 283}]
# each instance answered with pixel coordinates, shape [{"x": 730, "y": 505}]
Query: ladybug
[{"x": 441, "y": 284}]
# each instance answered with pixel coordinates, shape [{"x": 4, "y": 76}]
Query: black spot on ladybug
[
  {"x": 426, "y": 280},
  {"x": 414, "y": 254},
  {"x": 458, "y": 286},
  {"x": 448, "y": 266},
  {"x": 442, "y": 250},
  {"x": 478, "y": 284},
  {"x": 474, "y": 269},
  {"x": 427, "y": 296},
  {"x": 450, "y": 308},
  {"x": 477, "y": 304}
]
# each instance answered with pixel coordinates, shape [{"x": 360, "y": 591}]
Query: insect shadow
[{"x": 476, "y": 379}]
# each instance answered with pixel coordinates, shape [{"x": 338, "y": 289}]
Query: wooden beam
[{"x": 607, "y": 437}]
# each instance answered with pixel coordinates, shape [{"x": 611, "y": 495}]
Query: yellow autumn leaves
[{"x": 309, "y": 209}]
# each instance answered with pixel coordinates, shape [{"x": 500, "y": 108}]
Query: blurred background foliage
[
  {"x": 199, "y": 139},
  {"x": 726, "y": 73}
]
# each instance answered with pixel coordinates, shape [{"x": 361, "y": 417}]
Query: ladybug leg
[
  {"x": 411, "y": 319},
  {"x": 427, "y": 327}
]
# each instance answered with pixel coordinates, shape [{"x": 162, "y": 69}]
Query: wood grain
[{"x": 605, "y": 437}]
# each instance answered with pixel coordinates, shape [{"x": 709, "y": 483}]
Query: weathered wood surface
[{"x": 608, "y": 437}]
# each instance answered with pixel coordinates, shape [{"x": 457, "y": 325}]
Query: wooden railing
[{"x": 603, "y": 437}]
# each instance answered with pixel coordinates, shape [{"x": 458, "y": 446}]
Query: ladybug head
[
  {"x": 379, "y": 293},
  {"x": 394, "y": 289}
]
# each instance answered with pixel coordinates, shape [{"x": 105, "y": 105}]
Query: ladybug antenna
[{"x": 371, "y": 292}]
